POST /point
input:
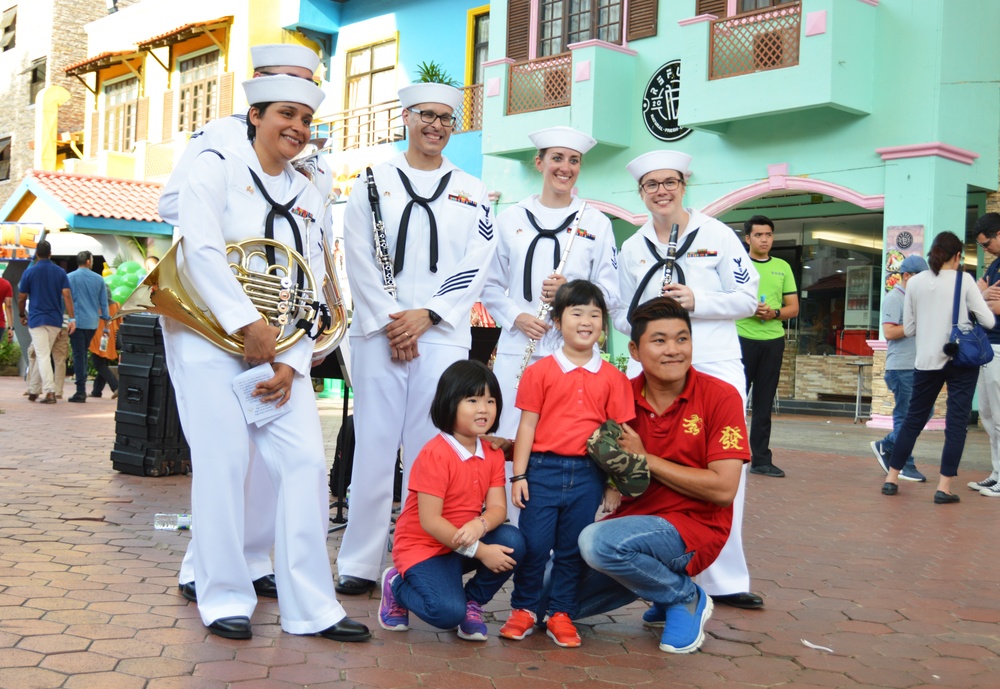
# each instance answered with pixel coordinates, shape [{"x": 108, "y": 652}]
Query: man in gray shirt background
[{"x": 90, "y": 297}]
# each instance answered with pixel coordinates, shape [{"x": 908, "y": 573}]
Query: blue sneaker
[
  {"x": 472, "y": 627},
  {"x": 684, "y": 632},
  {"x": 880, "y": 455},
  {"x": 910, "y": 473},
  {"x": 392, "y": 615},
  {"x": 655, "y": 616}
]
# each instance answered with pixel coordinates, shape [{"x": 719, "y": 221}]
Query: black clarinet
[
  {"x": 671, "y": 258},
  {"x": 381, "y": 243}
]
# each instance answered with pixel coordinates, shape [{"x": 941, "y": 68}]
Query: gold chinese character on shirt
[
  {"x": 731, "y": 438},
  {"x": 692, "y": 424}
]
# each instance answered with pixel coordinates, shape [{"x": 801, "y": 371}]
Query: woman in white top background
[{"x": 927, "y": 316}]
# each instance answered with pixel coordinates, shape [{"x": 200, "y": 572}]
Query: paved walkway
[{"x": 904, "y": 592}]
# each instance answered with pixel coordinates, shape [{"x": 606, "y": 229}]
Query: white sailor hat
[
  {"x": 283, "y": 54},
  {"x": 282, "y": 88},
  {"x": 430, "y": 93},
  {"x": 563, "y": 137},
  {"x": 660, "y": 160}
]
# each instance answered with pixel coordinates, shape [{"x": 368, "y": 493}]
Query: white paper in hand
[{"x": 254, "y": 410}]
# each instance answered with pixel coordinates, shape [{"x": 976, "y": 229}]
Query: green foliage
[
  {"x": 10, "y": 353},
  {"x": 621, "y": 362},
  {"x": 433, "y": 73}
]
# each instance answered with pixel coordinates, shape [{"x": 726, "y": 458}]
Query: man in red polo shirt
[{"x": 691, "y": 428}]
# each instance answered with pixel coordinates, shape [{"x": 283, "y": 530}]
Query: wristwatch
[
  {"x": 435, "y": 319},
  {"x": 777, "y": 314}
]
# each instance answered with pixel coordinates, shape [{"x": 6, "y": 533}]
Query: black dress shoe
[
  {"x": 187, "y": 590},
  {"x": 266, "y": 586},
  {"x": 747, "y": 601},
  {"x": 232, "y": 628},
  {"x": 889, "y": 488},
  {"x": 942, "y": 498},
  {"x": 79, "y": 397},
  {"x": 347, "y": 630},
  {"x": 353, "y": 586},
  {"x": 96, "y": 394},
  {"x": 767, "y": 470}
]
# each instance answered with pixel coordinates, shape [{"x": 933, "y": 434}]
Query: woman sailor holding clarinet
[
  {"x": 247, "y": 192},
  {"x": 707, "y": 270},
  {"x": 532, "y": 239}
]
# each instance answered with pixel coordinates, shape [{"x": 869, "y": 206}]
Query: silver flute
[
  {"x": 545, "y": 307},
  {"x": 382, "y": 257},
  {"x": 671, "y": 259}
]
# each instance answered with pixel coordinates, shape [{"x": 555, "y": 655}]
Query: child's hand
[
  {"x": 612, "y": 498},
  {"x": 496, "y": 557},
  {"x": 630, "y": 441},
  {"x": 470, "y": 532},
  {"x": 498, "y": 443},
  {"x": 519, "y": 493}
]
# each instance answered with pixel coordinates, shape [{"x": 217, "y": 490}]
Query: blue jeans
[
  {"x": 80, "y": 343},
  {"x": 564, "y": 494},
  {"x": 432, "y": 590},
  {"x": 900, "y": 384},
  {"x": 633, "y": 557},
  {"x": 926, "y": 386}
]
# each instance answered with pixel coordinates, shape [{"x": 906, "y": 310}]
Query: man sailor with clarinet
[
  {"x": 437, "y": 229},
  {"x": 711, "y": 277}
]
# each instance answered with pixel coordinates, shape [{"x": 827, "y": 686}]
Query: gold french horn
[{"x": 272, "y": 291}]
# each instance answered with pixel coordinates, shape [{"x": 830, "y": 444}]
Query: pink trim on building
[
  {"x": 731, "y": 8},
  {"x": 873, "y": 3},
  {"x": 498, "y": 61},
  {"x": 582, "y": 71},
  {"x": 637, "y": 219},
  {"x": 593, "y": 42},
  {"x": 697, "y": 20},
  {"x": 816, "y": 23},
  {"x": 777, "y": 176},
  {"x": 779, "y": 182},
  {"x": 492, "y": 87},
  {"x": 533, "y": 31},
  {"x": 935, "y": 148}
]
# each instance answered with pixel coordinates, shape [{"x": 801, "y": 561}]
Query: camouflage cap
[{"x": 628, "y": 472}]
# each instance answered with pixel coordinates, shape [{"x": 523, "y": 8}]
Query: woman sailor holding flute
[
  {"x": 710, "y": 275},
  {"x": 532, "y": 237}
]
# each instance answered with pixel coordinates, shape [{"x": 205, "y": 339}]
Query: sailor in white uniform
[
  {"x": 714, "y": 281},
  {"x": 228, "y": 132},
  {"x": 439, "y": 228},
  {"x": 531, "y": 238},
  {"x": 232, "y": 194}
]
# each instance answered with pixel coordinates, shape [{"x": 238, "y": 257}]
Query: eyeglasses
[
  {"x": 670, "y": 184},
  {"x": 428, "y": 117},
  {"x": 986, "y": 244}
]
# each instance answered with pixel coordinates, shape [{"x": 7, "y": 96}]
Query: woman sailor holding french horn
[
  {"x": 532, "y": 240},
  {"x": 235, "y": 194}
]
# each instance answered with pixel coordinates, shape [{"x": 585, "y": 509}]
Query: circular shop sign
[{"x": 660, "y": 103}]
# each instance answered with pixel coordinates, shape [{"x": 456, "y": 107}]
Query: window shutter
[
  {"x": 168, "y": 116},
  {"x": 226, "y": 95},
  {"x": 518, "y": 28},
  {"x": 142, "y": 119},
  {"x": 716, "y": 7},
  {"x": 641, "y": 19},
  {"x": 95, "y": 126}
]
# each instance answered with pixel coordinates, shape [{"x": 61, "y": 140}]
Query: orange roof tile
[
  {"x": 99, "y": 61},
  {"x": 102, "y": 197},
  {"x": 184, "y": 32}
]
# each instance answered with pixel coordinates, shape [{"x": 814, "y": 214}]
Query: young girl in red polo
[
  {"x": 563, "y": 399},
  {"x": 453, "y": 519}
]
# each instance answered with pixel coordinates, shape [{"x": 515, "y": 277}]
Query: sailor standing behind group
[
  {"x": 251, "y": 191},
  {"x": 229, "y": 132},
  {"x": 531, "y": 237},
  {"x": 439, "y": 230}
]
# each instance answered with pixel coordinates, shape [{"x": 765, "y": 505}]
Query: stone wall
[
  {"x": 830, "y": 375},
  {"x": 883, "y": 400}
]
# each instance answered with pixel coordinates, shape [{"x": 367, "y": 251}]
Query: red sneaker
[
  {"x": 520, "y": 624},
  {"x": 562, "y": 630}
]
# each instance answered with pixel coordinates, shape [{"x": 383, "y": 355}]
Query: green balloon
[
  {"x": 129, "y": 267},
  {"x": 121, "y": 293},
  {"x": 109, "y": 279},
  {"x": 130, "y": 281}
]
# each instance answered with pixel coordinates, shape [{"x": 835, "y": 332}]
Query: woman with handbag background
[{"x": 929, "y": 312}]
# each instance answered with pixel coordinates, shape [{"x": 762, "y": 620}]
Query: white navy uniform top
[
  {"x": 465, "y": 246},
  {"x": 226, "y": 206},
  {"x": 715, "y": 266},
  {"x": 593, "y": 257},
  {"x": 225, "y": 132}
]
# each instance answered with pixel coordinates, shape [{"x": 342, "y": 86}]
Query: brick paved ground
[{"x": 906, "y": 593}]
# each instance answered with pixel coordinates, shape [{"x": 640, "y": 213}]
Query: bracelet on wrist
[
  {"x": 486, "y": 527},
  {"x": 519, "y": 477}
]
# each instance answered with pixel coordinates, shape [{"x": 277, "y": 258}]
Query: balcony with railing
[
  {"x": 808, "y": 55},
  {"x": 534, "y": 94}
]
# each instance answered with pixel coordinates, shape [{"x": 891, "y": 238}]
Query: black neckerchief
[
  {"x": 404, "y": 222},
  {"x": 284, "y": 210},
  {"x": 542, "y": 234},
  {"x": 660, "y": 262}
]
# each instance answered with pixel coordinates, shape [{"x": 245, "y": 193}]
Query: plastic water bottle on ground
[{"x": 171, "y": 522}]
